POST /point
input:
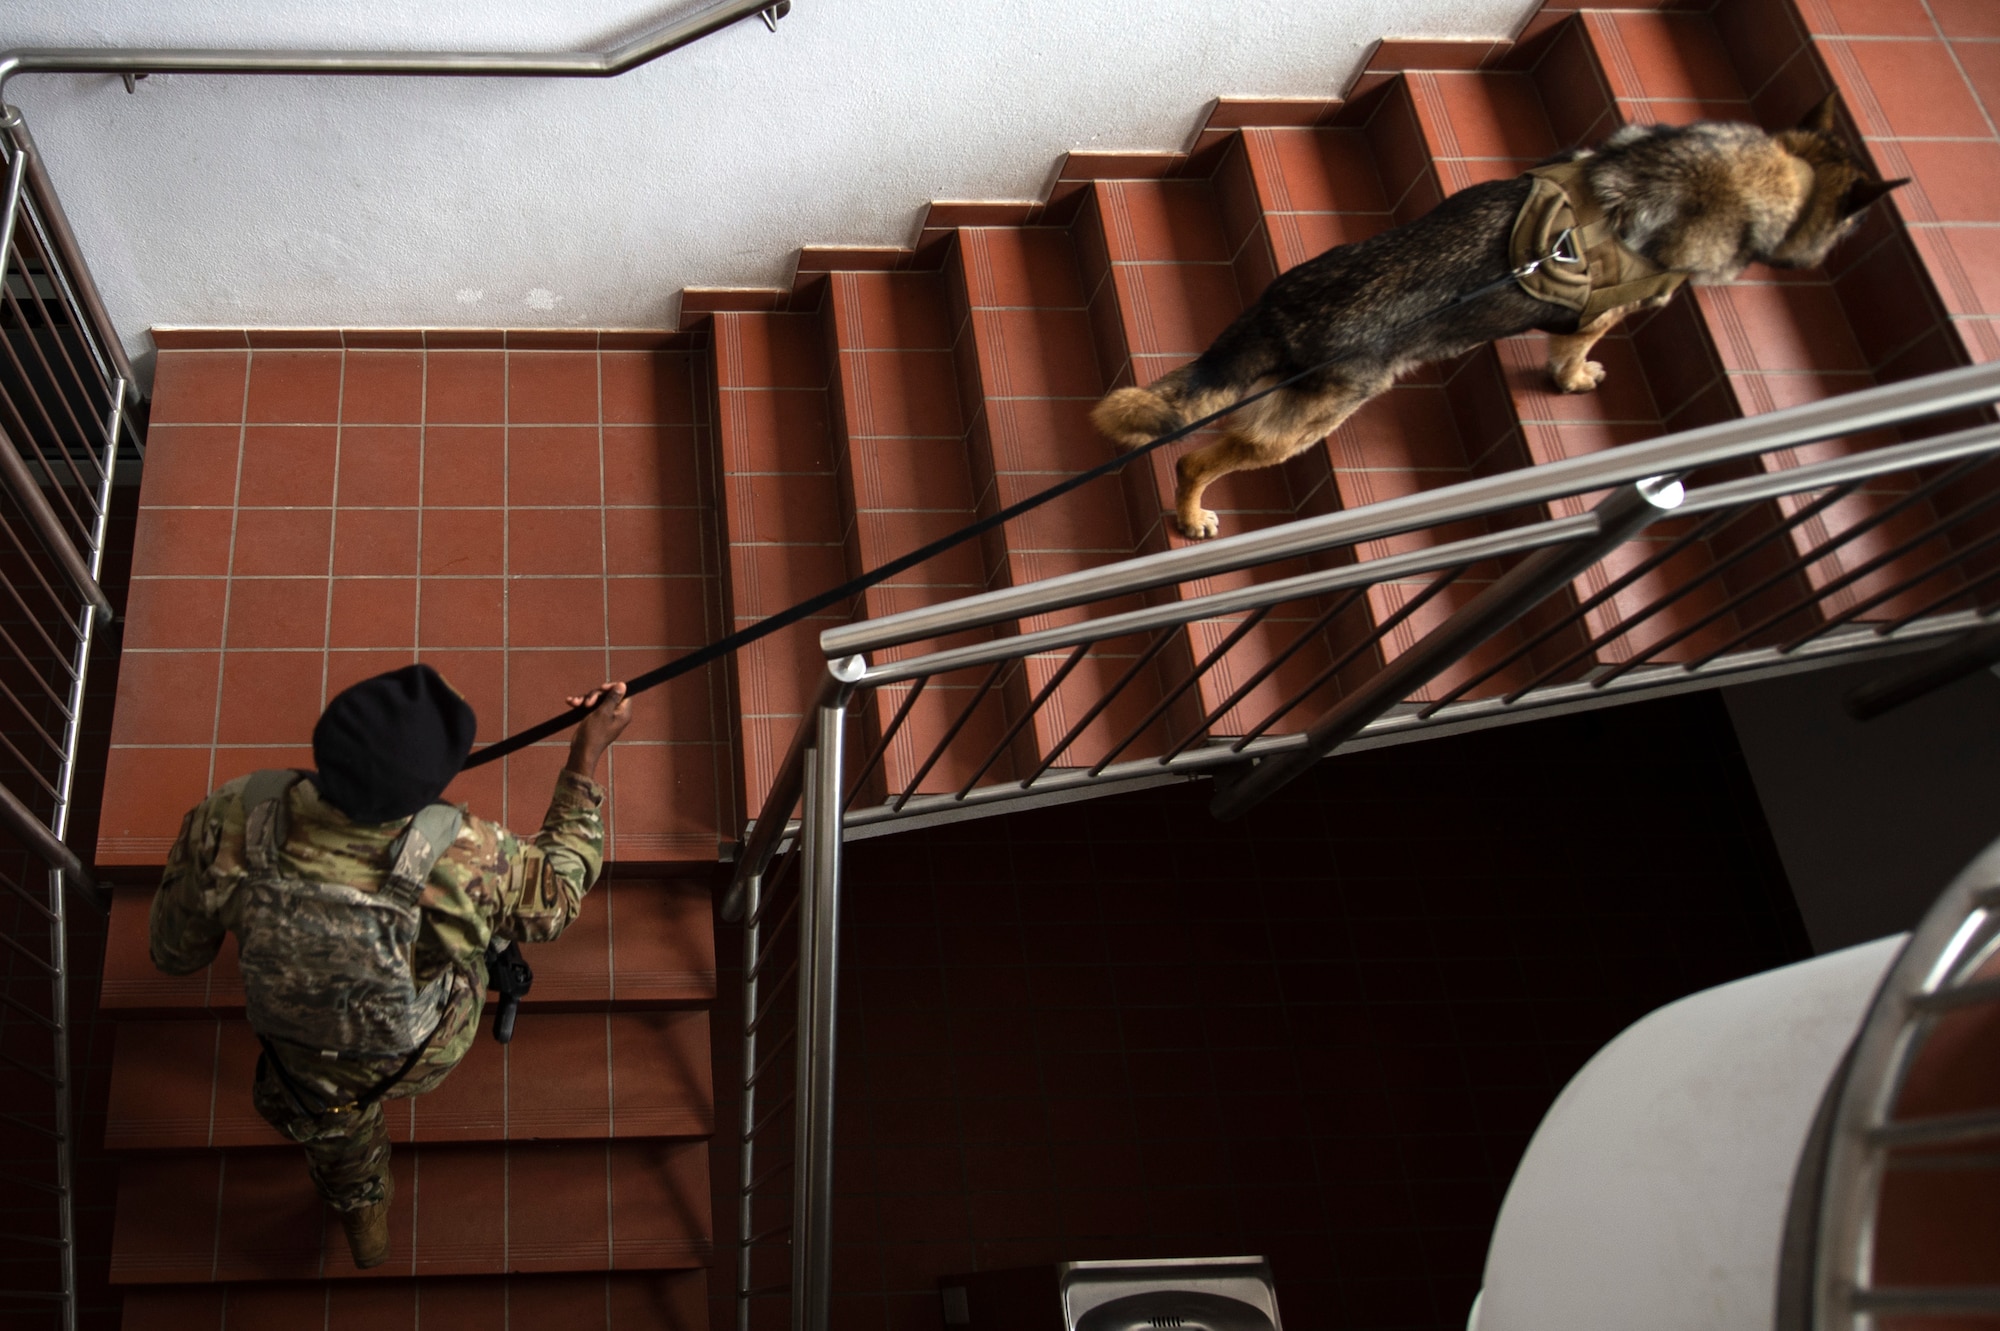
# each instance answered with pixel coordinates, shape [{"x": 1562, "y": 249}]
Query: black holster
[{"x": 508, "y": 975}]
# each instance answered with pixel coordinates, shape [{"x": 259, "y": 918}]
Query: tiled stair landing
[{"x": 529, "y": 519}]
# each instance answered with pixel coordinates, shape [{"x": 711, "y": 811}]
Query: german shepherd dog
[{"x": 1706, "y": 200}]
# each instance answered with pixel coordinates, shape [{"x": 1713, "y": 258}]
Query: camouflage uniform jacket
[{"x": 487, "y": 883}]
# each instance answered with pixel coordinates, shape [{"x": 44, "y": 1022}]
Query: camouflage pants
[{"x": 347, "y": 1153}]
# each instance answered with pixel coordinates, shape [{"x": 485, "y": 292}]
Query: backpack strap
[
  {"x": 267, "y": 813},
  {"x": 418, "y": 850}
]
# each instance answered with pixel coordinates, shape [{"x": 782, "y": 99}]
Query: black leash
[
  {"x": 1563, "y": 250},
  {"x": 763, "y": 628}
]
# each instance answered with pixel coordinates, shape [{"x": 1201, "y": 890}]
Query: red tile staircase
[{"x": 532, "y": 512}]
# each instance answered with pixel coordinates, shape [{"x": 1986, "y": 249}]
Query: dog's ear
[
  {"x": 1864, "y": 192},
  {"x": 1821, "y": 119}
]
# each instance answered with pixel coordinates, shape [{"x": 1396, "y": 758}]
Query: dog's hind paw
[
  {"x": 1578, "y": 376},
  {"x": 1199, "y": 525}
]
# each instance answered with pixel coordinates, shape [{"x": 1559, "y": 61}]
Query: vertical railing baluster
[
  {"x": 753, "y": 926},
  {"x": 820, "y": 837}
]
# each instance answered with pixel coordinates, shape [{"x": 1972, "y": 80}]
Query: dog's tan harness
[{"x": 1565, "y": 251}]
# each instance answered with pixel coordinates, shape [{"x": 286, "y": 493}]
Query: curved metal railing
[{"x": 1948, "y": 972}]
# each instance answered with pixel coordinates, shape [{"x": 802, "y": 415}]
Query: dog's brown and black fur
[{"x": 1706, "y": 199}]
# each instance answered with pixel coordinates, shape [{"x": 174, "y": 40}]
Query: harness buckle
[
  {"x": 1566, "y": 249},
  {"x": 1563, "y": 251}
]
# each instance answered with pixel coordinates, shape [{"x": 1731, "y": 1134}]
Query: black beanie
[{"x": 388, "y": 746}]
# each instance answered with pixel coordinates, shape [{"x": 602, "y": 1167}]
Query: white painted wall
[{"x": 233, "y": 201}]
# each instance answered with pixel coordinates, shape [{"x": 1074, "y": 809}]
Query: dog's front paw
[
  {"x": 1197, "y": 524},
  {"x": 1578, "y": 376}
]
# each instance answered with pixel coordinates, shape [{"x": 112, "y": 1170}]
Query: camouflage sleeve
[
  {"x": 548, "y": 877},
  {"x": 185, "y": 934}
]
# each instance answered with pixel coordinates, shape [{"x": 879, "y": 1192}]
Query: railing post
[
  {"x": 1626, "y": 512},
  {"x": 820, "y": 835}
]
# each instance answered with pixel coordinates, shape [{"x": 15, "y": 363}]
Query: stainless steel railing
[
  {"x": 1713, "y": 554},
  {"x": 1938, "y": 998},
  {"x": 65, "y": 415},
  {"x": 138, "y": 62},
  {"x": 788, "y": 897}
]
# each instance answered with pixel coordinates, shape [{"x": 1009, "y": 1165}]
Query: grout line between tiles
[
  {"x": 604, "y": 576},
  {"x": 332, "y": 533},
  {"x": 506, "y": 578},
  {"x": 416, "y": 1201},
  {"x": 214, "y": 1076},
  {"x": 215, "y": 1240},
  {"x": 423, "y": 430},
  {"x": 229, "y": 570}
]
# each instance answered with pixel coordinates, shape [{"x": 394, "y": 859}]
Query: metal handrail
[
  {"x": 1517, "y": 540},
  {"x": 1627, "y": 512},
  {"x": 1677, "y": 454},
  {"x": 1957, "y": 938},
  {"x": 137, "y": 61}
]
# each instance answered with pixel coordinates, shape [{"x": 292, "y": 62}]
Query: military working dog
[{"x": 1569, "y": 248}]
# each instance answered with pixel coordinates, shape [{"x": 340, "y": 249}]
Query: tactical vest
[
  {"x": 1609, "y": 274},
  {"x": 326, "y": 965}
]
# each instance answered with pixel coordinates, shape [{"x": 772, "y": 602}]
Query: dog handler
[{"x": 362, "y": 909}]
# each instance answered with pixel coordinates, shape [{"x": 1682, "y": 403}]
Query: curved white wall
[
  {"x": 288, "y": 201},
  {"x": 1653, "y": 1195}
]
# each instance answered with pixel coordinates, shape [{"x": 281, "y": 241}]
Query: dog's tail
[{"x": 1130, "y": 417}]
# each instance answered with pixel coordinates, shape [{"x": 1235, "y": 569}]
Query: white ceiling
[{"x": 233, "y": 201}]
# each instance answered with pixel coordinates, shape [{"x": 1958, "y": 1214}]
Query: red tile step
[
  {"x": 185, "y": 1084},
  {"x": 1774, "y": 338},
  {"x": 1918, "y": 280},
  {"x": 250, "y": 1215},
  {"x": 1171, "y": 262},
  {"x": 782, "y": 520},
  {"x": 1922, "y": 95},
  {"x": 638, "y": 940},
  {"x": 900, "y": 431},
  {"x": 1030, "y": 367},
  {"x": 622, "y": 1301}
]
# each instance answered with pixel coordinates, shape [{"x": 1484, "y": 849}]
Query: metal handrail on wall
[
  {"x": 138, "y": 62},
  {"x": 1578, "y": 564}
]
